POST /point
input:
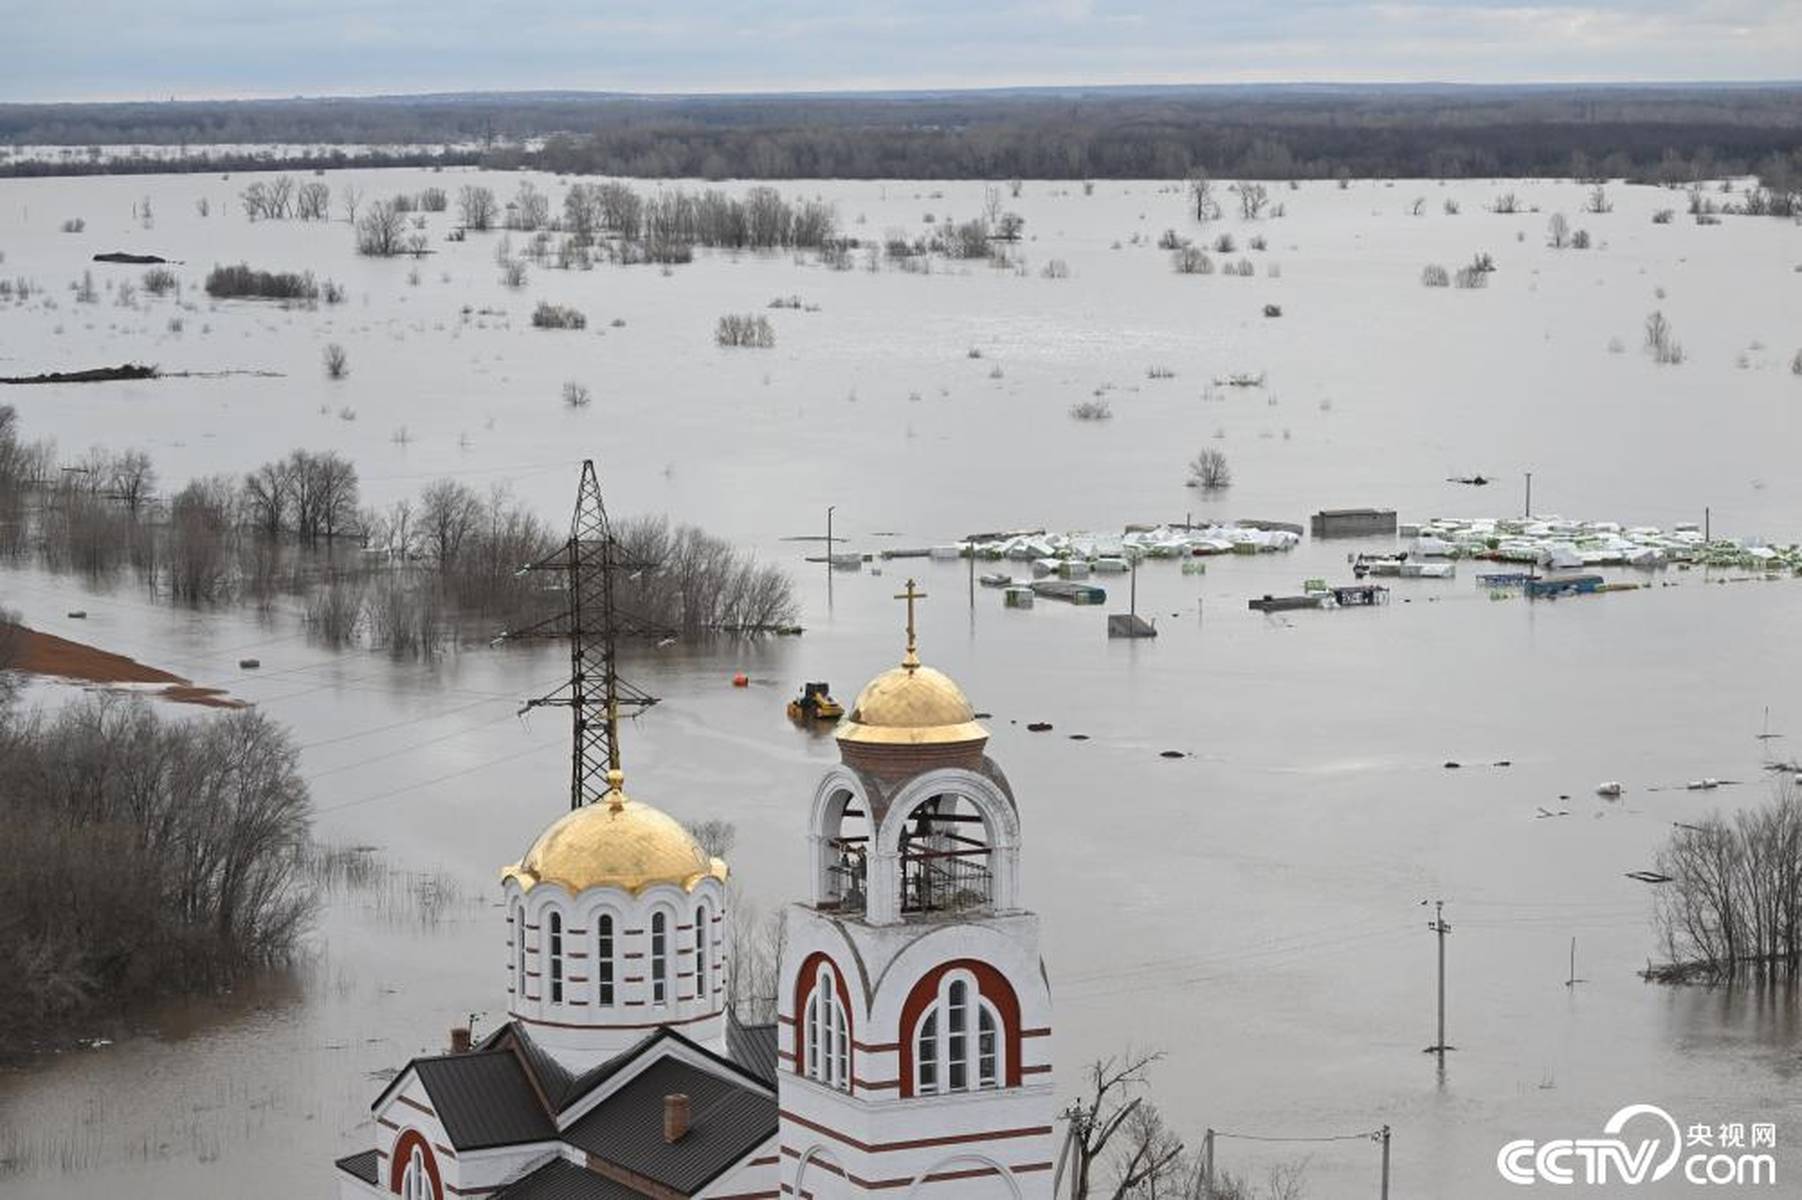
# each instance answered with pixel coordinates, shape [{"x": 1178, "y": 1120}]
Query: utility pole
[
  {"x": 1440, "y": 928},
  {"x": 829, "y": 566},
  {"x": 1207, "y": 1164},
  {"x": 1707, "y": 525},
  {"x": 1383, "y": 1136},
  {"x": 1573, "y": 981},
  {"x": 1529, "y": 509}
]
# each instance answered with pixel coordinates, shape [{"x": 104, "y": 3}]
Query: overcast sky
[{"x": 191, "y": 49}]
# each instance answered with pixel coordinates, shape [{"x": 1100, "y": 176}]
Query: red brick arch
[
  {"x": 994, "y": 988},
  {"x": 403, "y": 1154}
]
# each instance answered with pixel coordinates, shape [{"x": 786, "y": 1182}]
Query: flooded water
[{"x": 1253, "y": 907}]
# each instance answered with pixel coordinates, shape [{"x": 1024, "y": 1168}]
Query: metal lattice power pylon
[{"x": 594, "y": 692}]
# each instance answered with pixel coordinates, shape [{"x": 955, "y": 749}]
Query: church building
[{"x": 910, "y": 1055}]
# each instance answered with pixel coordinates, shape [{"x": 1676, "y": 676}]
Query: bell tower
[{"x": 915, "y": 1015}]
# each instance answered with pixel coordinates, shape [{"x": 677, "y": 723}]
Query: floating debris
[
  {"x": 1038, "y": 726},
  {"x": 1648, "y": 876},
  {"x": 1610, "y": 789},
  {"x": 1172, "y": 754}
]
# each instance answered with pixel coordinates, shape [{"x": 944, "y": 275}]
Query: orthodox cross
[{"x": 910, "y": 595}]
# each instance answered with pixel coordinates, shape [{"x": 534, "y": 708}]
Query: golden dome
[
  {"x": 911, "y": 705},
  {"x": 615, "y": 842}
]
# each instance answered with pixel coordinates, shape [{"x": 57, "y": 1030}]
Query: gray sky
[{"x": 192, "y": 49}]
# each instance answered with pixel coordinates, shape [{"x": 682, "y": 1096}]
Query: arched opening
[
  {"x": 519, "y": 952},
  {"x": 960, "y": 1031},
  {"x": 847, "y": 849},
  {"x": 703, "y": 958},
  {"x": 945, "y": 852},
  {"x": 603, "y": 960},
  {"x": 554, "y": 929},
  {"x": 823, "y": 1023},
  {"x": 413, "y": 1173},
  {"x": 659, "y": 957}
]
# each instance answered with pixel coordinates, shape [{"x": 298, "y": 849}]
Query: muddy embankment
[{"x": 46, "y": 654}]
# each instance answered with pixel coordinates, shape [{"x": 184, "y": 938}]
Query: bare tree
[
  {"x": 1557, "y": 230},
  {"x": 1150, "y": 1164},
  {"x": 1598, "y": 201},
  {"x": 351, "y": 198},
  {"x": 382, "y": 230},
  {"x": 269, "y": 496},
  {"x": 1661, "y": 344},
  {"x": 1112, "y": 1093},
  {"x": 450, "y": 512},
  {"x": 281, "y": 197},
  {"x": 1201, "y": 196},
  {"x": 476, "y": 208},
  {"x": 337, "y": 363},
  {"x": 1252, "y": 199},
  {"x": 313, "y": 202},
  {"x": 716, "y": 836},
  {"x": 1209, "y": 471},
  {"x": 756, "y": 942},
  {"x": 131, "y": 478}
]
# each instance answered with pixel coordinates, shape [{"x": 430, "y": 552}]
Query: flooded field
[{"x": 1253, "y": 906}]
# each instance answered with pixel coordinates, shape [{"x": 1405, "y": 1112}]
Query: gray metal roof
[
  {"x": 365, "y": 1166},
  {"x": 753, "y": 1047},
  {"x": 484, "y": 1099},
  {"x": 561, "y": 1179},
  {"x": 728, "y": 1119}
]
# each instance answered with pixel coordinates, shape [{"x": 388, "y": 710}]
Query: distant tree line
[{"x": 1664, "y": 133}]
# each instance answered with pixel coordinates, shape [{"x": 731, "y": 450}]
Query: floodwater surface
[{"x": 1253, "y": 907}]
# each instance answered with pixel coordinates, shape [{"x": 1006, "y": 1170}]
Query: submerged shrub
[
  {"x": 745, "y": 330},
  {"x": 225, "y": 283},
  {"x": 556, "y": 316}
]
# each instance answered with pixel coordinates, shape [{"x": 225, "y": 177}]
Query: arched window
[
  {"x": 519, "y": 951},
  {"x": 416, "y": 1184},
  {"x": 659, "y": 958},
  {"x": 603, "y": 960},
  {"x": 556, "y": 967},
  {"x": 958, "y": 1045},
  {"x": 703, "y": 976},
  {"x": 828, "y": 1033}
]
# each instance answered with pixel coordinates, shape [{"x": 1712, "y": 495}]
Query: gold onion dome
[
  {"x": 911, "y": 705},
  {"x": 615, "y": 842}
]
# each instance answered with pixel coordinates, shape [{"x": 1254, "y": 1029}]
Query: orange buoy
[{"x": 741, "y": 680}]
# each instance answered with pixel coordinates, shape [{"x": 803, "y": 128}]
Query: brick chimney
[
  {"x": 675, "y": 1117},
  {"x": 459, "y": 1039}
]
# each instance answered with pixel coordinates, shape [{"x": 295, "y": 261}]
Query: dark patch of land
[
  {"x": 91, "y": 375},
  {"x": 1668, "y": 133}
]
